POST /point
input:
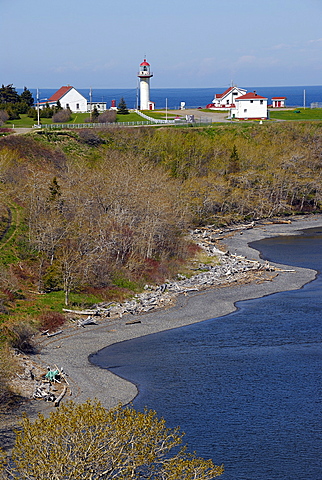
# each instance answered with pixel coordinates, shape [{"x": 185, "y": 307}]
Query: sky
[{"x": 188, "y": 43}]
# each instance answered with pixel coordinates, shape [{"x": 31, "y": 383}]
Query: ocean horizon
[{"x": 297, "y": 96}]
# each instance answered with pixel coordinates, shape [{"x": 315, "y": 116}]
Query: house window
[
  {"x": 261, "y": 102},
  {"x": 245, "y": 110},
  {"x": 77, "y": 106},
  {"x": 252, "y": 101},
  {"x": 67, "y": 105}
]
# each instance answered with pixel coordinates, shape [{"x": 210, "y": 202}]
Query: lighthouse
[{"x": 144, "y": 76}]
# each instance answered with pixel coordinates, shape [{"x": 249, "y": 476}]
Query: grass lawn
[
  {"x": 157, "y": 114},
  {"x": 297, "y": 114},
  {"x": 130, "y": 117},
  {"x": 27, "y": 122}
]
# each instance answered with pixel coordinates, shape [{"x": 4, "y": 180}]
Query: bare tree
[{"x": 4, "y": 117}]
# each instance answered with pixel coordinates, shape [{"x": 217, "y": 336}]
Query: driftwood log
[
  {"x": 88, "y": 321},
  {"x": 81, "y": 312},
  {"x": 58, "y": 399}
]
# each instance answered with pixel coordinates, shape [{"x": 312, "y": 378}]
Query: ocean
[
  {"x": 246, "y": 388},
  {"x": 193, "y": 97}
]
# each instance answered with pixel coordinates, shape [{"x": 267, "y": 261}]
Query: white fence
[
  {"x": 153, "y": 120},
  {"x": 316, "y": 105},
  {"x": 61, "y": 126},
  {"x": 147, "y": 121},
  {"x": 94, "y": 125}
]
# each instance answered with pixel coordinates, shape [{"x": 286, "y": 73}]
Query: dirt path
[
  {"x": 19, "y": 131},
  {"x": 215, "y": 116}
]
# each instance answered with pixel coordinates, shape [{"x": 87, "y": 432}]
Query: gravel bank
[{"x": 71, "y": 349}]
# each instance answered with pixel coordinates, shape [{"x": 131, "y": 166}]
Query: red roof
[
  {"x": 59, "y": 94},
  {"x": 278, "y": 98},
  {"x": 251, "y": 96},
  {"x": 144, "y": 63},
  {"x": 219, "y": 95}
]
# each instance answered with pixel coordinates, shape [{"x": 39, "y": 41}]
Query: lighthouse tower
[{"x": 144, "y": 76}]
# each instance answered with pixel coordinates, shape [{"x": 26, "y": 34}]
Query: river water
[{"x": 246, "y": 388}]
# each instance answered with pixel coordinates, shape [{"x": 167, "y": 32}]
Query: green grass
[
  {"x": 27, "y": 122},
  {"x": 157, "y": 114},
  {"x": 131, "y": 117},
  {"x": 297, "y": 114},
  {"x": 305, "y": 114},
  {"x": 56, "y": 301},
  {"x": 8, "y": 253}
]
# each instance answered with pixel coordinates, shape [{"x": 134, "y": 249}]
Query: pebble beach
[{"x": 72, "y": 349}]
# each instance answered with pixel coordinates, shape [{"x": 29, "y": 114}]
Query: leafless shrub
[
  {"x": 4, "y": 117},
  {"x": 51, "y": 321},
  {"x": 90, "y": 138},
  {"x": 20, "y": 337},
  {"x": 62, "y": 116},
  {"x": 109, "y": 116}
]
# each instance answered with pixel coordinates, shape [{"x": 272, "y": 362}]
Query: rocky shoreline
[
  {"x": 228, "y": 269},
  {"x": 212, "y": 292}
]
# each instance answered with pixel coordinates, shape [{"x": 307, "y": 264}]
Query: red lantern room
[{"x": 145, "y": 70}]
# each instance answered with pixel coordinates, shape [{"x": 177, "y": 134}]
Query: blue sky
[{"x": 189, "y": 43}]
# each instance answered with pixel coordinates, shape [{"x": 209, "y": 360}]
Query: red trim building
[{"x": 278, "y": 102}]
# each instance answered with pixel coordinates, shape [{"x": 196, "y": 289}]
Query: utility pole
[
  {"x": 38, "y": 114},
  {"x": 90, "y": 103}
]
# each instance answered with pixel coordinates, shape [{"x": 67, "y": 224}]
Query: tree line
[
  {"x": 101, "y": 205},
  {"x": 12, "y": 104}
]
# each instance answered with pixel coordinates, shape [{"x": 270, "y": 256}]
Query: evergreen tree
[
  {"x": 26, "y": 97},
  {"x": 12, "y": 112},
  {"x": 95, "y": 114},
  {"x": 122, "y": 107},
  {"x": 234, "y": 165},
  {"x": 8, "y": 94}
]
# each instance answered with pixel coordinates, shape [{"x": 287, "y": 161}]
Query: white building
[
  {"x": 144, "y": 76},
  {"x": 278, "y": 102},
  {"x": 250, "y": 106},
  {"x": 69, "y": 97},
  {"x": 227, "y": 98}
]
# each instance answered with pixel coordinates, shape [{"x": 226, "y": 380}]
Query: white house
[
  {"x": 278, "y": 102},
  {"x": 69, "y": 97},
  {"x": 250, "y": 106},
  {"x": 227, "y": 98}
]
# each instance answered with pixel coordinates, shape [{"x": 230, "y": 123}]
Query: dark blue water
[
  {"x": 194, "y": 97},
  {"x": 246, "y": 388}
]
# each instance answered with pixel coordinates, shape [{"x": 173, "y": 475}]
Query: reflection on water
[{"x": 246, "y": 388}]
